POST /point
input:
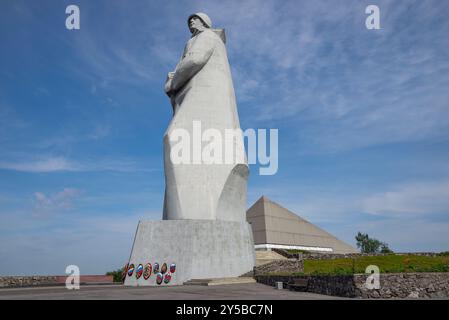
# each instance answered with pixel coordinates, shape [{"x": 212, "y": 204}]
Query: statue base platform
[{"x": 190, "y": 249}]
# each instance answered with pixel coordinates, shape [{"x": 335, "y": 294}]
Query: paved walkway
[{"x": 253, "y": 291}]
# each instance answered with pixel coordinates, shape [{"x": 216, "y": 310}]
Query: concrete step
[
  {"x": 219, "y": 281},
  {"x": 264, "y": 257},
  {"x": 260, "y": 262}
]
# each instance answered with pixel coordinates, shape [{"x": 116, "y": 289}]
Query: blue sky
[{"x": 363, "y": 119}]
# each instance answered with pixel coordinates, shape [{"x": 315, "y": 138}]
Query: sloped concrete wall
[{"x": 200, "y": 249}]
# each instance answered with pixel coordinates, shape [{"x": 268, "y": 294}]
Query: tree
[
  {"x": 116, "y": 275},
  {"x": 371, "y": 245},
  {"x": 384, "y": 248}
]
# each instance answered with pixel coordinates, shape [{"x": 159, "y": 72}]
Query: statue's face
[{"x": 195, "y": 23}]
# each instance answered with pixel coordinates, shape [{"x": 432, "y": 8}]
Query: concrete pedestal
[{"x": 200, "y": 249}]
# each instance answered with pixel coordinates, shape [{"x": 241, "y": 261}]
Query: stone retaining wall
[
  {"x": 392, "y": 285},
  {"x": 280, "y": 266},
  {"x": 27, "y": 281},
  {"x": 405, "y": 285},
  {"x": 341, "y": 286},
  {"x": 330, "y": 256}
]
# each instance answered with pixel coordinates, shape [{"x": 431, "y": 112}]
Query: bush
[{"x": 116, "y": 275}]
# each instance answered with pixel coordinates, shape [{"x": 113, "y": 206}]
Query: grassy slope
[{"x": 386, "y": 264}]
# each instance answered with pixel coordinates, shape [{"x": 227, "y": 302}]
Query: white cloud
[
  {"x": 408, "y": 200},
  {"x": 50, "y": 164},
  {"x": 60, "y": 164},
  {"x": 99, "y": 132},
  {"x": 45, "y": 205},
  {"x": 403, "y": 235},
  {"x": 10, "y": 122},
  {"x": 415, "y": 199},
  {"x": 314, "y": 65}
]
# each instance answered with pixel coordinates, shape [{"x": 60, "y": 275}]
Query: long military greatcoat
[{"x": 204, "y": 93}]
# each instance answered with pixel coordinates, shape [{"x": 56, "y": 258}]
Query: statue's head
[{"x": 199, "y": 21}]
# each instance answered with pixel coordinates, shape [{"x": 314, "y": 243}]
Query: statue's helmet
[{"x": 203, "y": 17}]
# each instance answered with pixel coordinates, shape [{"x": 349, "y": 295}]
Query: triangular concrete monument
[{"x": 276, "y": 227}]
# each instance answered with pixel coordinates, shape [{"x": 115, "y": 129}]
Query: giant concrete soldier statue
[
  {"x": 204, "y": 233},
  {"x": 201, "y": 91}
]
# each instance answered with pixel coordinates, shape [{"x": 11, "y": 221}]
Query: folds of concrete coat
[{"x": 205, "y": 101}]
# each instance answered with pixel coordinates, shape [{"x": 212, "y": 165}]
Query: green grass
[{"x": 387, "y": 264}]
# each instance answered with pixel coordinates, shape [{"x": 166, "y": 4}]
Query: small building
[{"x": 277, "y": 227}]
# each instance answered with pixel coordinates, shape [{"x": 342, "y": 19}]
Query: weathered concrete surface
[
  {"x": 201, "y": 90},
  {"x": 252, "y": 291},
  {"x": 201, "y": 249}
]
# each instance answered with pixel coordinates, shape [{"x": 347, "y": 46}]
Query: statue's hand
[{"x": 168, "y": 85}]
